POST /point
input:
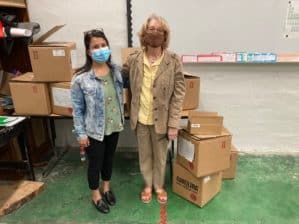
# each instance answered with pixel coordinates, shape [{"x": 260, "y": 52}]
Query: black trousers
[{"x": 100, "y": 157}]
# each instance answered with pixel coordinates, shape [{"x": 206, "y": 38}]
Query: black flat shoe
[
  {"x": 109, "y": 198},
  {"x": 101, "y": 206}
]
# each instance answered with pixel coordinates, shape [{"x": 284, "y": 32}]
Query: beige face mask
[{"x": 154, "y": 39}]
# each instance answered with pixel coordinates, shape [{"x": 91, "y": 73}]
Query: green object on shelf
[{"x": 4, "y": 119}]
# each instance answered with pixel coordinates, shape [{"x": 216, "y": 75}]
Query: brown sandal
[
  {"x": 161, "y": 196},
  {"x": 146, "y": 196}
]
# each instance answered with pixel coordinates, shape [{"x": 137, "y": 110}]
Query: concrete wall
[{"x": 260, "y": 103}]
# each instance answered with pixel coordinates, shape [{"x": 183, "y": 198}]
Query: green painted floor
[{"x": 266, "y": 190}]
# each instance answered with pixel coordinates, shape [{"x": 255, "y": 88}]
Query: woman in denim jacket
[{"x": 98, "y": 114}]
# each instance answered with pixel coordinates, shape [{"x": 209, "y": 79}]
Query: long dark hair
[{"x": 87, "y": 38}]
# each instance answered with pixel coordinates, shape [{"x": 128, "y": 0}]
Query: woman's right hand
[{"x": 84, "y": 142}]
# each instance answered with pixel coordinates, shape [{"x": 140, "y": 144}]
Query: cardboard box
[
  {"x": 127, "y": 101},
  {"x": 61, "y": 101},
  {"x": 192, "y": 84},
  {"x": 29, "y": 97},
  {"x": 204, "y": 123},
  {"x": 230, "y": 173},
  {"x": 203, "y": 155},
  {"x": 196, "y": 190},
  {"x": 125, "y": 52},
  {"x": 52, "y": 61}
]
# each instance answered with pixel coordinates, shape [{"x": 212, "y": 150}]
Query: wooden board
[
  {"x": 13, "y": 3},
  {"x": 14, "y": 195}
]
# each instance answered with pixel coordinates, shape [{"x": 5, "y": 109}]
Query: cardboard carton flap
[
  {"x": 189, "y": 75},
  {"x": 194, "y": 113},
  {"x": 15, "y": 3},
  {"x": 27, "y": 77},
  {"x": 224, "y": 132},
  {"x": 61, "y": 84},
  {"x": 130, "y": 50},
  {"x": 53, "y": 44},
  {"x": 47, "y": 34}
]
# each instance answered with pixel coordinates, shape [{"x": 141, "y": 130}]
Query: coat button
[
  {"x": 154, "y": 97},
  {"x": 156, "y": 108},
  {"x": 156, "y": 119}
]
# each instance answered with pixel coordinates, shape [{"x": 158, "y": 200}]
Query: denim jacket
[{"x": 88, "y": 103}]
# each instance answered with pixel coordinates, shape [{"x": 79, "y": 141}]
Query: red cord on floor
[{"x": 163, "y": 214}]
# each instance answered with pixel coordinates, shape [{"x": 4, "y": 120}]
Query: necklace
[
  {"x": 154, "y": 56},
  {"x": 153, "y": 59}
]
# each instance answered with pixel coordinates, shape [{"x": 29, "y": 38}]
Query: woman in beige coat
[{"x": 158, "y": 90}]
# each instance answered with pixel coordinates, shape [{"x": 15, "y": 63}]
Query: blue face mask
[{"x": 101, "y": 55}]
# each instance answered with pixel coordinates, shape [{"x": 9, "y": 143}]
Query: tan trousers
[{"x": 152, "y": 155}]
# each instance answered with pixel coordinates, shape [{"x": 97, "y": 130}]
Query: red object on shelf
[
  {"x": 2, "y": 34},
  {"x": 209, "y": 58}
]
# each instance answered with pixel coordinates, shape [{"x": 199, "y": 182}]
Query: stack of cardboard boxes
[
  {"x": 204, "y": 157},
  {"x": 47, "y": 89}
]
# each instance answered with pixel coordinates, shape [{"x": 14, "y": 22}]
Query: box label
[
  {"x": 195, "y": 125},
  {"x": 61, "y": 97},
  {"x": 186, "y": 149},
  {"x": 58, "y": 53},
  {"x": 187, "y": 184}
]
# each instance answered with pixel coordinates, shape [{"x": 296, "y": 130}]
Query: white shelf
[{"x": 243, "y": 63}]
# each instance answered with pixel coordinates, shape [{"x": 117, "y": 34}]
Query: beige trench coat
[{"x": 168, "y": 90}]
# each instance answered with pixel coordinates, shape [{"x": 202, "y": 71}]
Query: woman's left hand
[{"x": 172, "y": 133}]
